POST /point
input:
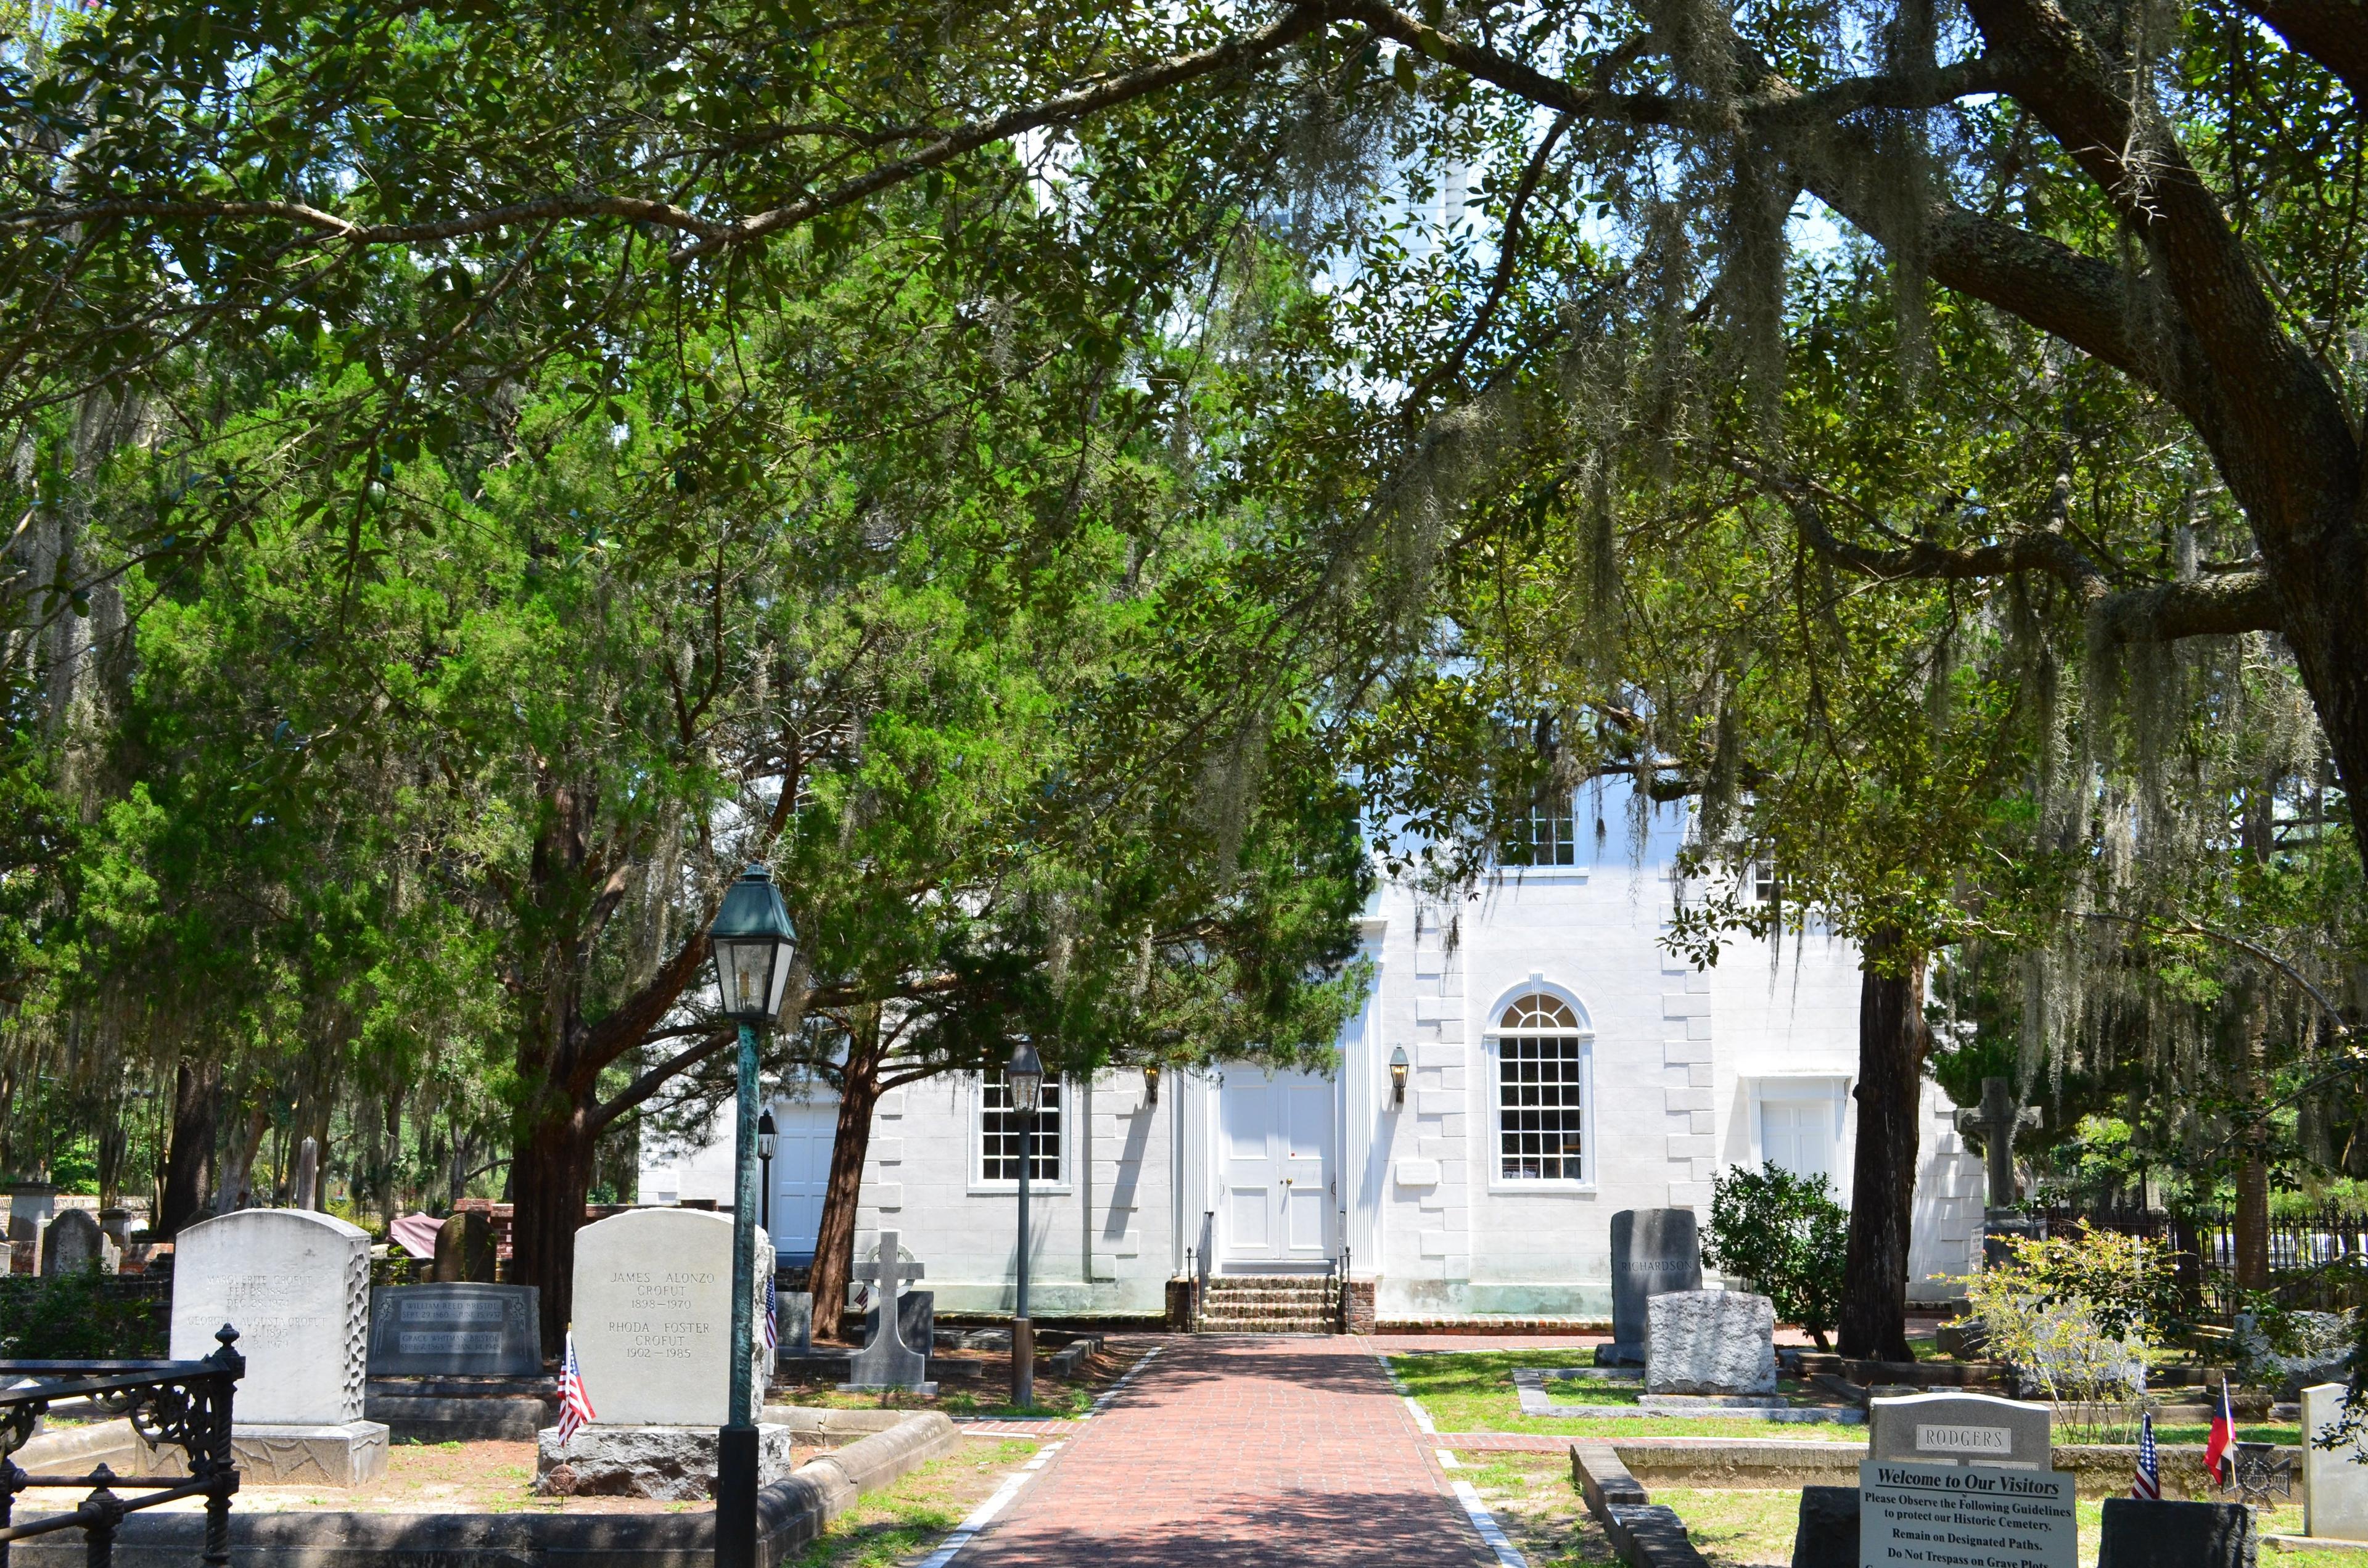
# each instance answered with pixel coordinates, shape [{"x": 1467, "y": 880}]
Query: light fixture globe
[
  {"x": 1026, "y": 1077},
  {"x": 752, "y": 940},
  {"x": 1397, "y": 1075}
]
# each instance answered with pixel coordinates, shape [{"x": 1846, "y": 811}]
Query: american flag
[
  {"x": 772, "y": 1328},
  {"x": 2147, "y": 1486},
  {"x": 574, "y": 1408}
]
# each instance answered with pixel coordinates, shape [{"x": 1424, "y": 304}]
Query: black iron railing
[
  {"x": 185, "y": 1404},
  {"x": 2317, "y": 1259}
]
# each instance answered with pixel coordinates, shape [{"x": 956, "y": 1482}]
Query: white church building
[{"x": 1559, "y": 1065}]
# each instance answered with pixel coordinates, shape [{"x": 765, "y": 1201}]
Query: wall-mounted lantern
[{"x": 1397, "y": 1075}]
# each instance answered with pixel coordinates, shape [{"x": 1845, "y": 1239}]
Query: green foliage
[
  {"x": 1782, "y": 1231},
  {"x": 2077, "y": 1314},
  {"x": 80, "y": 1317}
]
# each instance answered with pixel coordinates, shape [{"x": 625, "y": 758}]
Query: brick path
[{"x": 1241, "y": 1453}]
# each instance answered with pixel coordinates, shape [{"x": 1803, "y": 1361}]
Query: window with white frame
[
  {"x": 1540, "y": 1091},
  {"x": 1545, "y": 835},
  {"x": 1000, "y": 1129}
]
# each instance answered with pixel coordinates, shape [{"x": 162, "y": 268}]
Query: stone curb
[
  {"x": 1649, "y": 1536},
  {"x": 790, "y": 1514},
  {"x": 1603, "y": 1481}
]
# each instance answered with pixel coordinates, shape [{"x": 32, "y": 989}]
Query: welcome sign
[{"x": 1970, "y": 1516}]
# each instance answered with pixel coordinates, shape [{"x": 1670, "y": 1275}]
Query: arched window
[{"x": 1540, "y": 1091}]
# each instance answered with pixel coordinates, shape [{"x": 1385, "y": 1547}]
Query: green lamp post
[{"x": 752, "y": 942}]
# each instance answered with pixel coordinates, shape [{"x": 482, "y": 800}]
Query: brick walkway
[{"x": 1241, "y": 1453}]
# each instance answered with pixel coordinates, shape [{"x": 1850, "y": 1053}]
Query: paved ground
[{"x": 1241, "y": 1453}]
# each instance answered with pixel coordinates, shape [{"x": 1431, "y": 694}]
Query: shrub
[
  {"x": 79, "y": 1317},
  {"x": 1783, "y": 1233},
  {"x": 2075, "y": 1315}
]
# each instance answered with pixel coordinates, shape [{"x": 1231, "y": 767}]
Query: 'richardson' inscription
[{"x": 1963, "y": 1440}]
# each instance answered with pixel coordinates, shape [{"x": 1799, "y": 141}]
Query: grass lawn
[
  {"x": 1473, "y": 1391},
  {"x": 1533, "y": 1498},
  {"x": 899, "y": 1522}
]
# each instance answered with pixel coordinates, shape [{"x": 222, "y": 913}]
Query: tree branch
[
  {"x": 2221, "y": 605},
  {"x": 649, "y": 1083},
  {"x": 2333, "y": 32}
]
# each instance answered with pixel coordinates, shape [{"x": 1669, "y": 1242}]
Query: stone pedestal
[
  {"x": 352, "y": 1453},
  {"x": 677, "y": 1463}
]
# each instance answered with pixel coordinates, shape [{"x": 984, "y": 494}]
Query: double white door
[{"x": 1275, "y": 1167}]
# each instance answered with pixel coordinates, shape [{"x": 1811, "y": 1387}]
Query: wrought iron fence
[
  {"x": 2317, "y": 1259},
  {"x": 185, "y": 1404}
]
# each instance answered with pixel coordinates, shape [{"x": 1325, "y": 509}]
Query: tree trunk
[
  {"x": 1892, "y": 1039},
  {"x": 197, "y": 1104},
  {"x": 550, "y": 1164},
  {"x": 2252, "y": 1225},
  {"x": 230, "y": 1192},
  {"x": 858, "y": 1095}
]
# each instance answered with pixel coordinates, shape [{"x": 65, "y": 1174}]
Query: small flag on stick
[
  {"x": 2147, "y": 1486},
  {"x": 772, "y": 1326},
  {"x": 2216, "y": 1458},
  {"x": 574, "y": 1407}
]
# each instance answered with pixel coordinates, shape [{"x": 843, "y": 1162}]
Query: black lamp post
[
  {"x": 1025, "y": 1079},
  {"x": 764, "y": 1165},
  {"x": 752, "y": 940}
]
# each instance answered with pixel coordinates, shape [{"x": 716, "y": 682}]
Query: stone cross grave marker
[
  {"x": 886, "y": 1361},
  {"x": 458, "y": 1330},
  {"x": 653, "y": 1316},
  {"x": 1654, "y": 1251},
  {"x": 2335, "y": 1479},
  {"x": 72, "y": 1243},
  {"x": 1709, "y": 1342},
  {"x": 1995, "y": 1123}
]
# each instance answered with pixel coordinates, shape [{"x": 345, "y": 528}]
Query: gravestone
[
  {"x": 2335, "y": 1479},
  {"x": 1654, "y": 1251},
  {"x": 72, "y": 1243},
  {"x": 653, "y": 1316},
  {"x": 30, "y": 1205},
  {"x": 887, "y": 1359},
  {"x": 1826, "y": 1534},
  {"x": 2176, "y": 1535},
  {"x": 794, "y": 1312},
  {"x": 653, "y": 1346},
  {"x": 1709, "y": 1342},
  {"x": 1959, "y": 1428},
  {"x": 464, "y": 1250},
  {"x": 116, "y": 1223},
  {"x": 916, "y": 1319},
  {"x": 463, "y": 1330},
  {"x": 308, "y": 1176},
  {"x": 296, "y": 1286}
]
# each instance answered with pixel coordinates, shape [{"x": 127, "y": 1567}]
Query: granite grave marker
[
  {"x": 296, "y": 1286},
  {"x": 2335, "y": 1479},
  {"x": 1959, "y": 1428},
  {"x": 887, "y": 1360},
  {"x": 464, "y": 1330},
  {"x": 464, "y": 1250},
  {"x": 653, "y": 1316},
  {"x": 1709, "y": 1342},
  {"x": 1653, "y": 1251},
  {"x": 72, "y": 1243}
]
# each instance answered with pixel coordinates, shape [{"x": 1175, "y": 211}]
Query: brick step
[
  {"x": 1214, "y": 1323},
  {"x": 1267, "y": 1309},
  {"x": 1270, "y": 1295}
]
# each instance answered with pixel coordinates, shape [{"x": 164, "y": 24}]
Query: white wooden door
[
  {"x": 1274, "y": 1156},
  {"x": 802, "y": 1142}
]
